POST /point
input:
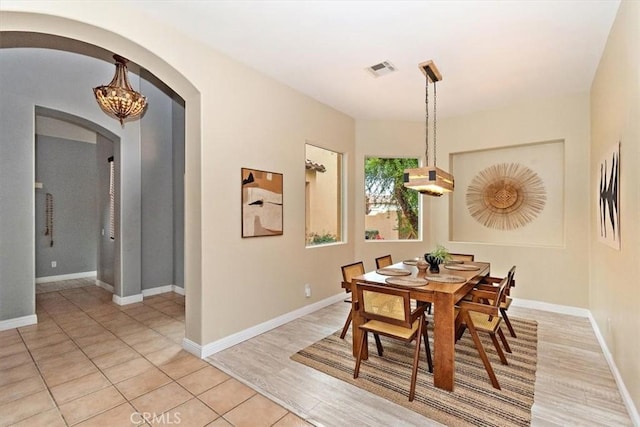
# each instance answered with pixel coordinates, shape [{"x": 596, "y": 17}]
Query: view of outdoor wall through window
[
  {"x": 392, "y": 211},
  {"x": 323, "y": 196}
]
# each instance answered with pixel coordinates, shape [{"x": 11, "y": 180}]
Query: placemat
[
  {"x": 412, "y": 282},
  {"x": 410, "y": 261},
  {"x": 462, "y": 267},
  {"x": 446, "y": 278},
  {"x": 389, "y": 271}
]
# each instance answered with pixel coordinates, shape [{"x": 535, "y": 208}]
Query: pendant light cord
[
  {"x": 435, "y": 99},
  {"x": 426, "y": 122}
]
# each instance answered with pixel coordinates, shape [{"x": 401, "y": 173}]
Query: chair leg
[
  {"x": 345, "y": 328},
  {"x": 508, "y": 322},
  {"x": 483, "y": 354},
  {"x": 460, "y": 332},
  {"x": 504, "y": 340},
  {"x": 378, "y": 344},
  {"x": 416, "y": 358},
  {"x": 503, "y": 358},
  {"x": 427, "y": 346},
  {"x": 429, "y": 308},
  {"x": 363, "y": 342}
]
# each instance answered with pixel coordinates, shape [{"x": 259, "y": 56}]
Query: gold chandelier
[
  {"x": 118, "y": 97},
  {"x": 429, "y": 180}
]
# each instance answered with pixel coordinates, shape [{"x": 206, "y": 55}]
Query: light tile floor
[{"x": 90, "y": 362}]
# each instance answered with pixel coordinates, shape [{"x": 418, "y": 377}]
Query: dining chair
[
  {"x": 384, "y": 261},
  {"x": 387, "y": 311},
  {"x": 462, "y": 257},
  {"x": 350, "y": 271},
  {"x": 477, "y": 316},
  {"x": 489, "y": 283}
]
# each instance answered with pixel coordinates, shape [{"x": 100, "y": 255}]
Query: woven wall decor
[{"x": 506, "y": 196}]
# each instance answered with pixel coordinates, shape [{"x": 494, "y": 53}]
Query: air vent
[{"x": 382, "y": 69}]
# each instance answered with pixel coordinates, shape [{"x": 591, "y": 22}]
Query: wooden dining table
[{"x": 444, "y": 297}]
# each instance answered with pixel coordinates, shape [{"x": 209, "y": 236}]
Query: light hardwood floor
[{"x": 574, "y": 385}]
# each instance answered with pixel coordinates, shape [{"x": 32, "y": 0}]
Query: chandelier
[
  {"x": 118, "y": 97},
  {"x": 429, "y": 180}
]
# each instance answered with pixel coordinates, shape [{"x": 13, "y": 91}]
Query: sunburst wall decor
[{"x": 506, "y": 196}]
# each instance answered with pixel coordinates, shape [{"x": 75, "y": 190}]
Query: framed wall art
[
  {"x": 608, "y": 197},
  {"x": 261, "y": 203}
]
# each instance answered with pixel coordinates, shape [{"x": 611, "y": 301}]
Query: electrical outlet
[
  {"x": 54, "y": 264},
  {"x": 307, "y": 290}
]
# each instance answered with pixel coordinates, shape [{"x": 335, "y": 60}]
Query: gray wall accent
[
  {"x": 178, "y": 192},
  {"x": 157, "y": 189},
  {"x": 67, "y": 171},
  {"x": 106, "y": 246}
]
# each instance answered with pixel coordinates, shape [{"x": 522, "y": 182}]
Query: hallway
[{"x": 90, "y": 362}]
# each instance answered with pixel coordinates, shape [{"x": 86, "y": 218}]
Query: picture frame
[{"x": 262, "y": 203}]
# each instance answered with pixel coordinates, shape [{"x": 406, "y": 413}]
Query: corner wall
[{"x": 615, "y": 275}]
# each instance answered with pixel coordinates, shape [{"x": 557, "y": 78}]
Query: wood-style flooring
[{"x": 574, "y": 385}]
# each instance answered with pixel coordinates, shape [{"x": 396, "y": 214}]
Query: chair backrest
[
  {"x": 383, "y": 261},
  {"x": 462, "y": 257},
  {"x": 512, "y": 281},
  {"x": 350, "y": 271},
  {"x": 385, "y": 304}
]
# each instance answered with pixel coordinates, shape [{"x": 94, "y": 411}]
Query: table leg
[{"x": 444, "y": 341}]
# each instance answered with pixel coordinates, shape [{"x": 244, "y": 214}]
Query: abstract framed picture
[
  {"x": 609, "y": 197},
  {"x": 261, "y": 203}
]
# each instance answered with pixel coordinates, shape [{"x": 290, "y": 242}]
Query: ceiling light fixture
[
  {"x": 429, "y": 180},
  {"x": 118, "y": 97}
]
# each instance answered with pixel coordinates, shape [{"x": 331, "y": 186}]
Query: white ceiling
[{"x": 490, "y": 53}]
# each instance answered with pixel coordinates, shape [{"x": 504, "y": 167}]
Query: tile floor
[{"x": 89, "y": 362}]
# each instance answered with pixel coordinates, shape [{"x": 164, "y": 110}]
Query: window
[
  {"x": 323, "y": 196},
  {"x": 392, "y": 211}
]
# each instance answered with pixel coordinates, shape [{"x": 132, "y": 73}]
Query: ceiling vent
[{"x": 382, "y": 69}]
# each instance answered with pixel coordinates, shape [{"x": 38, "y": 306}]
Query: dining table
[{"x": 442, "y": 294}]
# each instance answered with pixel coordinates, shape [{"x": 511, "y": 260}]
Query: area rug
[{"x": 473, "y": 402}]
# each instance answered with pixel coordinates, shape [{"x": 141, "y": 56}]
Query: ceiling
[{"x": 490, "y": 53}]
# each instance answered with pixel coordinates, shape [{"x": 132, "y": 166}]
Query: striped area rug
[{"x": 473, "y": 402}]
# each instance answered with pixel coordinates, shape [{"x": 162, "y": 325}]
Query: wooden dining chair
[
  {"x": 384, "y": 261},
  {"x": 489, "y": 283},
  {"x": 462, "y": 257},
  {"x": 350, "y": 271},
  {"x": 477, "y": 316},
  {"x": 387, "y": 311}
]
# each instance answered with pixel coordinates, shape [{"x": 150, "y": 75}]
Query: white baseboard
[
  {"x": 81, "y": 275},
  {"x": 554, "y": 308},
  {"x": 583, "y": 312},
  {"x": 18, "y": 322},
  {"x": 231, "y": 340},
  {"x": 626, "y": 397},
  {"x": 104, "y": 285},
  {"x": 131, "y": 299},
  {"x": 162, "y": 290}
]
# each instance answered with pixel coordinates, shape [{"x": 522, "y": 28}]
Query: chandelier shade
[
  {"x": 429, "y": 180},
  {"x": 118, "y": 97}
]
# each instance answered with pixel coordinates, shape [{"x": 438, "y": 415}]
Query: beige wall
[
  {"x": 557, "y": 275},
  {"x": 324, "y": 195},
  {"x": 615, "y": 275}
]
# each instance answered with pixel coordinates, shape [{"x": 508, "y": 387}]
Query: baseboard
[
  {"x": 131, "y": 299},
  {"x": 81, "y": 275},
  {"x": 18, "y": 322},
  {"x": 583, "y": 312},
  {"x": 626, "y": 397},
  {"x": 104, "y": 285},
  {"x": 157, "y": 290},
  {"x": 231, "y": 340},
  {"x": 554, "y": 308},
  {"x": 162, "y": 290}
]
